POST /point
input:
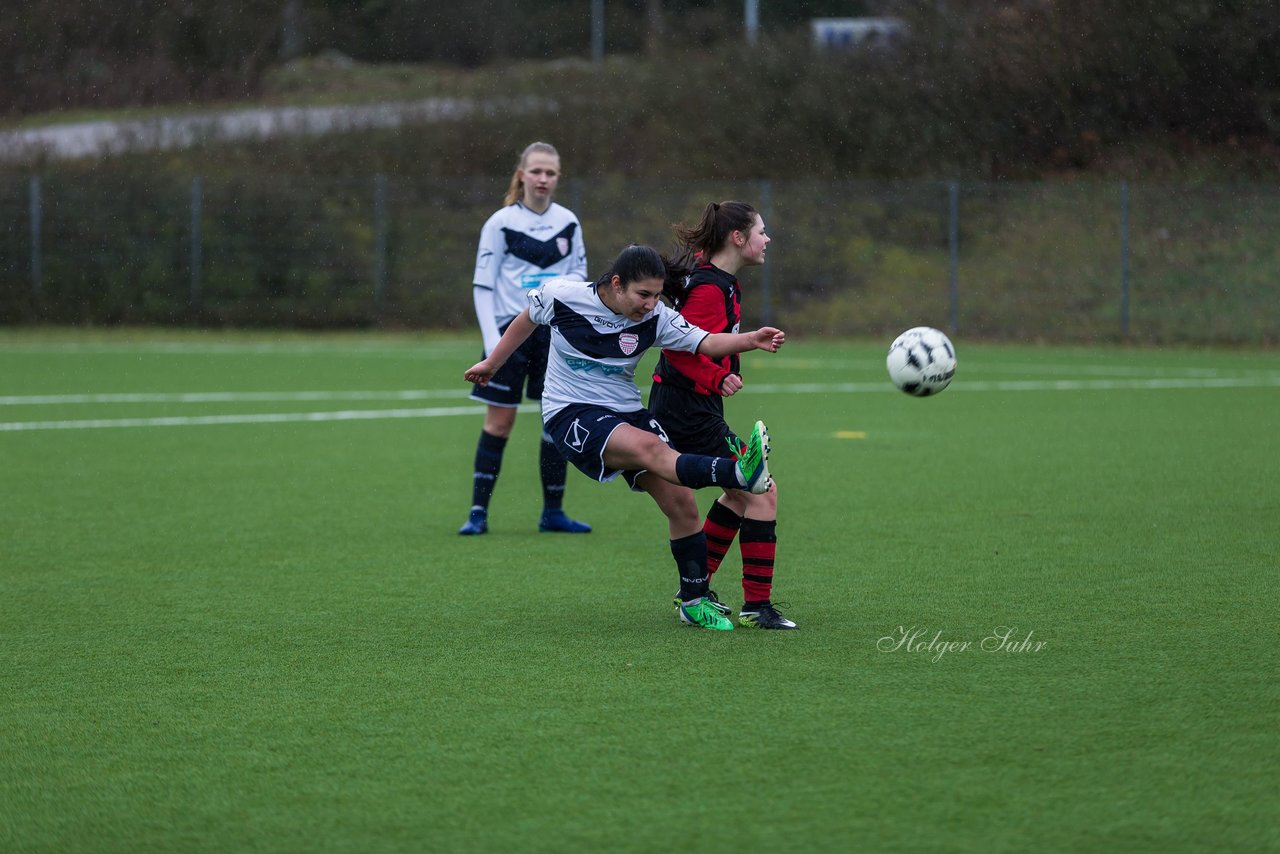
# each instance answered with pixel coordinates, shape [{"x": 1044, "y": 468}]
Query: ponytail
[
  {"x": 711, "y": 234},
  {"x": 675, "y": 285}
]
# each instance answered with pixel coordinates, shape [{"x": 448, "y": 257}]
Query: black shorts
[
  {"x": 695, "y": 422},
  {"x": 581, "y": 431},
  {"x": 527, "y": 363}
]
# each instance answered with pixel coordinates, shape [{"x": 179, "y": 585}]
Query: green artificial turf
[{"x": 267, "y": 636}]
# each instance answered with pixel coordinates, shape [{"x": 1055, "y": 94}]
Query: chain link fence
[{"x": 1048, "y": 262}]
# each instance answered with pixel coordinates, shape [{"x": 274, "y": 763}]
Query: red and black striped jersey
[{"x": 711, "y": 302}]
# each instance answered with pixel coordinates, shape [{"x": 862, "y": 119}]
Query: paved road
[{"x": 96, "y": 139}]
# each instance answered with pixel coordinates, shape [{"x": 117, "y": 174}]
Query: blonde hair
[{"x": 516, "y": 191}]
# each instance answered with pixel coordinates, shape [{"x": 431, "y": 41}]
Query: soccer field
[{"x": 1038, "y": 612}]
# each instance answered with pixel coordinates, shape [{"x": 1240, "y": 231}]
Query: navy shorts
[
  {"x": 581, "y": 431},
  {"x": 527, "y": 363},
  {"x": 695, "y": 422}
]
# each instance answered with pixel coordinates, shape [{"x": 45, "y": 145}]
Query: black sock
[
  {"x": 696, "y": 471},
  {"x": 488, "y": 463},
  {"x": 553, "y": 468},
  {"x": 691, "y": 563}
]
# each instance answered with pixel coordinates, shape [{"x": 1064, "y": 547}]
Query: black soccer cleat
[{"x": 764, "y": 617}]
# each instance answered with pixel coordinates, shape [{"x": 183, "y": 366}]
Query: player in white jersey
[
  {"x": 522, "y": 245},
  {"x": 592, "y": 408}
]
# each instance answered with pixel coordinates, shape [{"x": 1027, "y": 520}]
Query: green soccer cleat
[
  {"x": 753, "y": 460},
  {"x": 711, "y": 598},
  {"x": 703, "y": 614}
]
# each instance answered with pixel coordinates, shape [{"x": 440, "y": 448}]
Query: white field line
[
  {"x": 967, "y": 366},
  {"x": 274, "y": 348},
  {"x": 230, "y": 396},
  {"x": 436, "y": 412},
  {"x": 414, "y": 351},
  {"x": 260, "y": 418},
  {"x": 1154, "y": 384},
  {"x": 447, "y": 352}
]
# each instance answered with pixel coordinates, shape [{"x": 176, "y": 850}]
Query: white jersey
[
  {"x": 520, "y": 249},
  {"x": 594, "y": 351}
]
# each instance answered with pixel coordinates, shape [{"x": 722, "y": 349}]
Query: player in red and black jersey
[{"x": 689, "y": 389}]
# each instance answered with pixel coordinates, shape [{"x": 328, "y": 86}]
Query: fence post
[
  {"x": 37, "y": 261},
  {"x": 953, "y": 254},
  {"x": 1124, "y": 259},
  {"x": 597, "y": 31},
  {"x": 766, "y": 286},
  {"x": 197, "y": 239},
  {"x": 380, "y": 240}
]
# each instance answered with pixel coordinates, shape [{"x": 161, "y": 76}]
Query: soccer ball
[{"x": 921, "y": 361}]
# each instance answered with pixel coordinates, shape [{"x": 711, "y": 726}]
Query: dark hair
[
  {"x": 709, "y": 236},
  {"x": 637, "y": 261},
  {"x": 719, "y": 220}
]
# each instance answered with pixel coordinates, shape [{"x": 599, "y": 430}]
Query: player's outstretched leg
[{"x": 750, "y": 469}]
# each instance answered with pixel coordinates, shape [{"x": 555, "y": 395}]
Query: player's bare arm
[
  {"x": 517, "y": 333},
  {"x": 720, "y": 344}
]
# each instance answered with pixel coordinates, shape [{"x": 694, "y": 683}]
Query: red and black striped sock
[
  {"x": 721, "y": 527},
  {"x": 759, "y": 544}
]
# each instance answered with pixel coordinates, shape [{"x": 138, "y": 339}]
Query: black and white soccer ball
[{"x": 921, "y": 361}]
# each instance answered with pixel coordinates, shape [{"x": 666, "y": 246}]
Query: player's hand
[
  {"x": 730, "y": 385},
  {"x": 768, "y": 338},
  {"x": 480, "y": 373}
]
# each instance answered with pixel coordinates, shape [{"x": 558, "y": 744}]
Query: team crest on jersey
[
  {"x": 562, "y": 243},
  {"x": 628, "y": 342}
]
